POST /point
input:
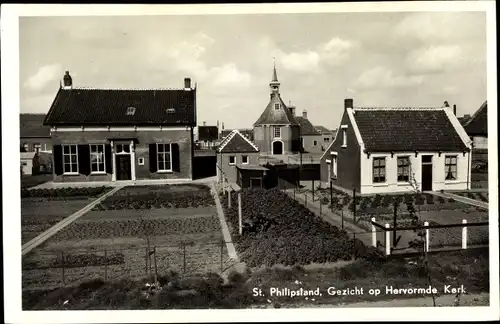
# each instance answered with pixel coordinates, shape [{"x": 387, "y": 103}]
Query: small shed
[
  {"x": 29, "y": 163},
  {"x": 251, "y": 176}
]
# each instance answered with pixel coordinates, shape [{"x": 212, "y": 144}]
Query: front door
[
  {"x": 256, "y": 183},
  {"x": 123, "y": 170},
  {"x": 426, "y": 172}
]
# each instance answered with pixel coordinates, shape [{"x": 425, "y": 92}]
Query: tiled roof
[
  {"x": 306, "y": 128},
  {"x": 386, "y": 130},
  {"x": 478, "y": 123},
  {"x": 109, "y": 107},
  {"x": 324, "y": 131},
  {"x": 271, "y": 116},
  {"x": 236, "y": 142},
  {"x": 31, "y": 125}
]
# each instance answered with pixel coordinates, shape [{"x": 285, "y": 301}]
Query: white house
[
  {"x": 27, "y": 159},
  {"x": 384, "y": 150}
]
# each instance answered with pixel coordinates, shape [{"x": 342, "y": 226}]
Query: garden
[
  {"x": 279, "y": 230},
  {"x": 481, "y": 196},
  {"x": 43, "y": 208},
  {"x": 178, "y": 223}
]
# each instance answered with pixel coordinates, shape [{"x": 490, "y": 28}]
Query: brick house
[
  {"x": 119, "y": 134},
  {"x": 34, "y": 136},
  {"x": 383, "y": 150},
  {"x": 276, "y": 131},
  {"x": 236, "y": 152},
  {"x": 310, "y": 138}
]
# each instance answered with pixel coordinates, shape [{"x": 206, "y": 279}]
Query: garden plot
[
  {"x": 279, "y": 230},
  {"x": 179, "y": 220},
  {"x": 481, "y": 196},
  {"x": 43, "y": 208}
]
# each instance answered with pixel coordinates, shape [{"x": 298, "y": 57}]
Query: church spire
[{"x": 274, "y": 84}]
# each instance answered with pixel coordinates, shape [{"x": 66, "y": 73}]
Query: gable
[
  {"x": 237, "y": 142},
  {"x": 272, "y": 116},
  {"x": 122, "y": 107},
  {"x": 386, "y": 130}
]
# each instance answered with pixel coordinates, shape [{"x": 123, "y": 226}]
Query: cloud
[
  {"x": 383, "y": 78},
  {"x": 435, "y": 59},
  {"x": 336, "y": 51},
  {"x": 301, "y": 62},
  {"x": 229, "y": 75},
  {"x": 43, "y": 77}
]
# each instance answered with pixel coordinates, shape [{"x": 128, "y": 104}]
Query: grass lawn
[
  {"x": 28, "y": 181},
  {"x": 468, "y": 268},
  {"x": 39, "y": 214},
  {"x": 185, "y": 238}
]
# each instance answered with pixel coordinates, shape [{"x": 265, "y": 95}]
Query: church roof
[{"x": 272, "y": 116}]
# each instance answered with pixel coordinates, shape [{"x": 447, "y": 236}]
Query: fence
[
  {"x": 62, "y": 268},
  {"x": 394, "y": 233}
]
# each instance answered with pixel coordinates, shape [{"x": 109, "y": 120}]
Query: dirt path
[{"x": 26, "y": 248}]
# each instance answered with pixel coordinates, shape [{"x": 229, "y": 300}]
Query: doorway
[
  {"x": 255, "y": 183},
  {"x": 123, "y": 167},
  {"x": 277, "y": 147},
  {"x": 426, "y": 172}
]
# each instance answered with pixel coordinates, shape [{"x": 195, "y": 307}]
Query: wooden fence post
[
  {"x": 374, "y": 233},
  {"x": 105, "y": 264},
  {"x": 305, "y": 195},
  {"x": 146, "y": 259},
  {"x": 229, "y": 200},
  {"x": 240, "y": 216},
  {"x": 221, "y": 255},
  {"x": 387, "y": 240},
  {"x": 464, "y": 234},
  {"x": 62, "y": 268},
  {"x": 426, "y": 224},
  {"x": 156, "y": 267}
]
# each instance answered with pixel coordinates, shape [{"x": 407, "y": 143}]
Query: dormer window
[
  {"x": 130, "y": 111},
  {"x": 344, "y": 135},
  {"x": 276, "y": 106}
]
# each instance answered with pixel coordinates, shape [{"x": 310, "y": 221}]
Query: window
[
  {"x": 334, "y": 166},
  {"x": 326, "y": 139},
  {"x": 37, "y": 147},
  {"x": 277, "y": 132},
  {"x": 97, "y": 158},
  {"x": 130, "y": 111},
  {"x": 277, "y": 106},
  {"x": 450, "y": 164},
  {"x": 404, "y": 168},
  {"x": 244, "y": 159},
  {"x": 232, "y": 160},
  {"x": 70, "y": 158},
  {"x": 315, "y": 143},
  {"x": 379, "y": 169},
  {"x": 141, "y": 161},
  {"x": 123, "y": 148},
  {"x": 344, "y": 134},
  {"x": 164, "y": 156}
]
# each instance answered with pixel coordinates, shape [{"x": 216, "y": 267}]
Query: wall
[
  {"x": 309, "y": 143},
  {"x": 264, "y": 136},
  {"x": 28, "y": 167},
  {"x": 348, "y": 158},
  {"x": 45, "y": 142},
  {"x": 480, "y": 142},
  {"x": 438, "y": 173},
  {"x": 181, "y": 136},
  {"x": 230, "y": 171}
]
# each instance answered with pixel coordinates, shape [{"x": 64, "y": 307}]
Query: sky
[{"x": 378, "y": 59}]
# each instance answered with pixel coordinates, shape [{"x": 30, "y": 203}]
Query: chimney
[
  {"x": 204, "y": 123},
  {"x": 455, "y": 110},
  {"x": 222, "y": 125},
  {"x": 67, "y": 81},
  {"x": 446, "y": 104},
  {"x": 187, "y": 84},
  {"x": 291, "y": 108},
  {"x": 304, "y": 114},
  {"x": 348, "y": 103}
]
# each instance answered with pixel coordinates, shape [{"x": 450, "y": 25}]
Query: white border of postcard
[{"x": 11, "y": 206}]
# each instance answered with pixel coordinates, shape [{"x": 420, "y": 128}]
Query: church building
[{"x": 276, "y": 131}]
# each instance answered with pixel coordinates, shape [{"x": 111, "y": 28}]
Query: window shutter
[
  {"x": 152, "y": 158},
  {"x": 176, "y": 163},
  {"x": 58, "y": 159},
  {"x": 109, "y": 158},
  {"x": 84, "y": 159}
]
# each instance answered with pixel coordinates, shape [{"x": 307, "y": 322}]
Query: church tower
[{"x": 276, "y": 131}]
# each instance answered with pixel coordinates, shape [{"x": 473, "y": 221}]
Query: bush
[
  {"x": 387, "y": 200},
  {"x": 429, "y": 199},
  {"x": 441, "y": 200},
  {"x": 419, "y": 200}
]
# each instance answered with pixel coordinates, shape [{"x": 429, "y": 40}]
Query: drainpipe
[{"x": 468, "y": 167}]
